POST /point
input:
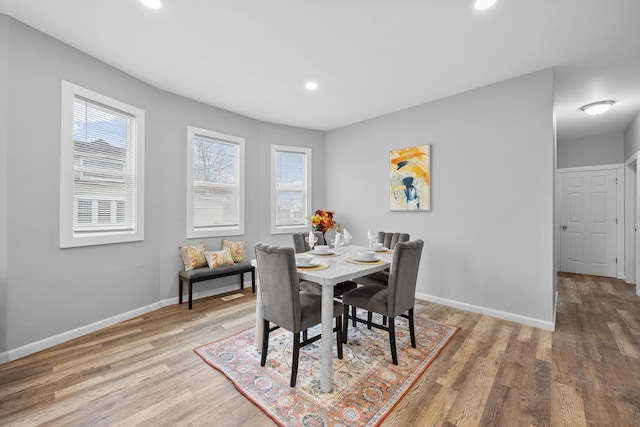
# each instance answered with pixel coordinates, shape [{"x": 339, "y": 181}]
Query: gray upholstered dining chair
[
  {"x": 285, "y": 306},
  {"x": 393, "y": 300},
  {"x": 301, "y": 245},
  {"x": 389, "y": 240}
]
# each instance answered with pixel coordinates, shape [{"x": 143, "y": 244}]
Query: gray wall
[
  {"x": 489, "y": 236},
  {"x": 51, "y": 291},
  {"x": 632, "y": 137},
  {"x": 591, "y": 151},
  {"x": 4, "y": 45}
]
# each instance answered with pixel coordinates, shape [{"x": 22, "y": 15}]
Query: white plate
[
  {"x": 329, "y": 252},
  {"x": 311, "y": 264},
  {"x": 381, "y": 250},
  {"x": 374, "y": 259}
]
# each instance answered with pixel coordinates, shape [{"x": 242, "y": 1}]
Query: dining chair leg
[
  {"x": 353, "y": 315},
  {"x": 305, "y": 335},
  {"x": 296, "y": 357},
  {"x": 339, "y": 335},
  {"x": 345, "y": 323},
  {"x": 384, "y": 320},
  {"x": 369, "y": 319},
  {"x": 412, "y": 330},
  {"x": 392, "y": 340},
  {"x": 265, "y": 341}
]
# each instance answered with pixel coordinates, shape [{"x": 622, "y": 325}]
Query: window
[
  {"x": 290, "y": 188},
  {"x": 215, "y": 184},
  {"x": 101, "y": 169}
]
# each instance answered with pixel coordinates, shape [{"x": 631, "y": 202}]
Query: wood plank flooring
[{"x": 493, "y": 373}]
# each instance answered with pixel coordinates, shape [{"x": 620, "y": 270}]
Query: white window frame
[
  {"x": 218, "y": 231},
  {"x": 284, "y": 229},
  {"x": 69, "y": 238}
]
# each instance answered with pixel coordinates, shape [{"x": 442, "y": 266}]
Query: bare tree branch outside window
[{"x": 213, "y": 161}]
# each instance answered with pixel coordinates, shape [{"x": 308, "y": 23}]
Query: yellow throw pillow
[
  {"x": 217, "y": 259},
  {"x": 237, "y": 249},
  {"x": 193, "y": 256}
]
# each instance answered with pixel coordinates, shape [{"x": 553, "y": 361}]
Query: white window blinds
[
  {"x": 291, "y": 191},
  {"x": 215, "y": 190},
  {"x": 104, "y": 172},
  {"x": 290, "y": 188}
]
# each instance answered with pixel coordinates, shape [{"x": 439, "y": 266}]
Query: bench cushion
[{"x": 203, "y": 272}]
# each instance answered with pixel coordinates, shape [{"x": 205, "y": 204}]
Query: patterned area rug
[{"x": 366, "y": 384}]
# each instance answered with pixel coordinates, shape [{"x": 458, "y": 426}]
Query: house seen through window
[{"x": 100, "y": 170}]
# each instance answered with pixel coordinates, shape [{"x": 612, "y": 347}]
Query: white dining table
[{"x": 339, "y": 269}]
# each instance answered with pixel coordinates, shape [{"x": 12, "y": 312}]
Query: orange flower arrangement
[{"x": 323, "y": 221}]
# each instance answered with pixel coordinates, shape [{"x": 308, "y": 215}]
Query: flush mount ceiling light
[
  {"x": 152, "y": 4},
  {"x": 484, "y": 4},
  {"x": 311, "y": 85},
  {"x": 596, "y": 108}
]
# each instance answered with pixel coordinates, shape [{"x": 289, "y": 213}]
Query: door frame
[
  {"x": 631, "y": 221},
  {"x": 632, "y": 193},
  {"x": 620, "y": 248}
]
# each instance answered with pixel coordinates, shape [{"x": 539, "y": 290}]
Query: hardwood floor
[{"x": 493, "y": 373}]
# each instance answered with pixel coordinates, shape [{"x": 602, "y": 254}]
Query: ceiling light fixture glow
[
  {"x": 152, "y": 4},
  {"x": 484, "y": 4},
  {"x": 597, "y": 108},
  {"x": 311, "y": 85}
]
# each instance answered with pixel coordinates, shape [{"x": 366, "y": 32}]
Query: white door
[{"x": 588, "y": 221}]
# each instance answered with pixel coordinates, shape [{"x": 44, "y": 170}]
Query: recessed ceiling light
[
  {"x": 311, "y": 85},
  {"x": 597, "y": 108},
  {"x": 152, "y": 4},
  {"x": 484, "y": 4}
]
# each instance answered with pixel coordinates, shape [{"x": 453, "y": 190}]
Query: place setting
[
  {"x": 308, "y": 262},
  {"x": 323, "y": 250},
  {"x": 380, "y": 248},
  {"x": 365, "y": 257}
]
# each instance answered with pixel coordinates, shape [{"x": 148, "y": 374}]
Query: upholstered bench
[{"x": 205, "y": 273}]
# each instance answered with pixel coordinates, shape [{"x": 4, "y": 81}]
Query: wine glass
[
  {"x": 337, "y": 241},
  {"x": 346, "y": 238},
  {"x": 311, "y": 242}
]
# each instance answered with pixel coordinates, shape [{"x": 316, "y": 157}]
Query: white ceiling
[{"x": 370, "y": 57}]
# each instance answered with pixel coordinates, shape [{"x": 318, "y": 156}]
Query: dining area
[{"x": 315, "y": 281}]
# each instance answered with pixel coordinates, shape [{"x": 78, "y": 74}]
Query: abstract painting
[{"x": 410, "y": 179}]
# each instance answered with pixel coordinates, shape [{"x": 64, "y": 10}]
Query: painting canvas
[{"x": 410, "y": 179}]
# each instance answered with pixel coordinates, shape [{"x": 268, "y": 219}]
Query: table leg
[{"x": 326, "y": 342}]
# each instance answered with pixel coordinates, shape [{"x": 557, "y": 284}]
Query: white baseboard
[
  {"x": 549, "y": 326},
  {"x": 45, "y": 343},
  {"x": 555, "y": 311}
]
